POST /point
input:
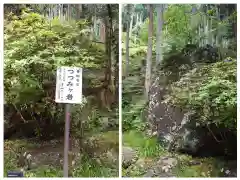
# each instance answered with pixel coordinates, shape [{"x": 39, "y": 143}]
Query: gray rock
[
  {"x": 162, "y": 118},
  {"x": 150, "y": 173},
  {"x": 167, "y": 162},
  {"x": 162, "y": 168},
  {"x": 129, "y": 156}
]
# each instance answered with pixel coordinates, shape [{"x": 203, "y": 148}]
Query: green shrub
[
  {"x": 34, "y": 48},
  {"x": 211, "y": 90},
  {"x": 132, "y": 115}
]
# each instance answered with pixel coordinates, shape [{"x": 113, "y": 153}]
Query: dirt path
[{"x": 100, "y": 154}]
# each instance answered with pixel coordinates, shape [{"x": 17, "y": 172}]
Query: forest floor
[
  {"x": 144, "y": 157},
  {"x": 101, "y": 161}
]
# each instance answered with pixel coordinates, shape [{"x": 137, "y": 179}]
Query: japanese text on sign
[{"x": 69, "y": 85}]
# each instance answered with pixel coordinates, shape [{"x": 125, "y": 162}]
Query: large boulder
[
  {"x": 179, "y": 131},
  {"x": 178, "y": 127},
  {"x": 161, "y": 117}
]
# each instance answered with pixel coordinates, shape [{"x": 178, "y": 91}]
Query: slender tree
[
  {"x": 149, "y": 51},
  {"x": 159, "y": 8}
]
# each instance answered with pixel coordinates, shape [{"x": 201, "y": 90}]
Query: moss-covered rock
[{"x": 211, "y": 90}]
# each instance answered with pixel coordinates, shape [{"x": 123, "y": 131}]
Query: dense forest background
[
  {"x": 38, "y": 38},
  {"x": 179, "y": 90}
]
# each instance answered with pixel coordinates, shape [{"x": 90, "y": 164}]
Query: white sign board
[{"x": 69, "y": 85}]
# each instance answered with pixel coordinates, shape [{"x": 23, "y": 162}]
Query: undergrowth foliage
[
  {"x": 34, "y": 48},
  {"x": 133, "y": 115},
  {"x": 210, "y": 90},
  {"x": 133, "y": 102}
]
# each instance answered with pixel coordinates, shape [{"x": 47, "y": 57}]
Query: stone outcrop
[{"x": 177, "y": 129}]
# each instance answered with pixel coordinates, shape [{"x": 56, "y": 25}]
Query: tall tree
[
  {"x": 129, "y": 24},
  {"x": 159, "y": 8},
  {"x": 149, "y": 51},
  {"x": 127, "y": 46}
]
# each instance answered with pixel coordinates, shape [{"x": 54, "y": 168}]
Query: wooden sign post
[{"x": 68, "y": 91}]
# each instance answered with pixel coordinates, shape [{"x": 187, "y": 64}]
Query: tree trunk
[
  {"x": 159, "y": 32},
  {"x": 116, "y": 64},
  {"x": 131, "y": 25},
  {"x": 68, "y": 12},
  {"x": 108, "y": 36},
  {"x": 137, "y": 24},
  {"x": 127, "y": 49},
  {"x": 79, "y": 11},
  {"x": 149, "y": 52},
  {"x": 218, "y": 18}
]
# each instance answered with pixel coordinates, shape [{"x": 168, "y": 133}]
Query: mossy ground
[
  {"x": 146, "y": 146},
  {"x": 87, "y": 167},
  {"x": 149, "y": 150},
  {"x": 205, "y": 167}
]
